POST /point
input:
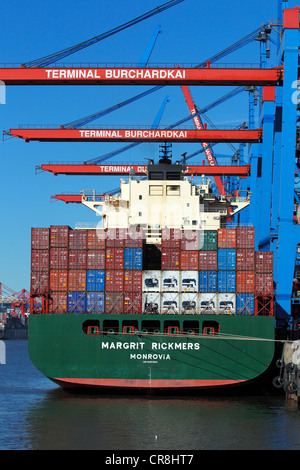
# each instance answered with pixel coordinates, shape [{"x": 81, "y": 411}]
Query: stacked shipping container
[{"x": 97, "y": 271}]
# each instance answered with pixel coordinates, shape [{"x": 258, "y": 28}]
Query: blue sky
[{"x": 191, "y": 32}]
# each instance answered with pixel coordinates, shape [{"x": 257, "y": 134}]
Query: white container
[
  {"x": 189, "y": 281},
  {"x": 170, "y": 281},
  {"x": 170, "y": 303},
  {"x": 227, "y": 303},
  {"x": 151, "y": 302},
  {"x": 189, "y": 303},
  {"x": 151, "y": 281},
  {"x": 208, "y": 302}
]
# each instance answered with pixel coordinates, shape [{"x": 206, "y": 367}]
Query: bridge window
[
  {"x": 155, "y": 190},
  {"x": 173, "y": 190}
]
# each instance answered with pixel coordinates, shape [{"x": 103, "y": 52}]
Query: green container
[{"x": 208, "y": 240}]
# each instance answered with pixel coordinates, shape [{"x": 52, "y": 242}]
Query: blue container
[
  {"x": 76, "y": 302},
  {"x": 133, "y": 258},
  {"x": 226, "y": 259},
  {"x": 245, "y": 304},
  {"x": 207, "y": 281},
  {"x": 95, "y": 302},
  {"x": 226, "y": 281},
  {"x": 95, "y": 280}
]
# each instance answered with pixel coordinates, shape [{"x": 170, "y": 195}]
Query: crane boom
[{"x": 205, "y": 145}]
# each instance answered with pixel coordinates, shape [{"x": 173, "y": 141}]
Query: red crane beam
[
  {"x": 141, "y": 170},
  {"x": 138, "y": 135},
  {"x": 142, "y": 76},
  {"x": 68, "y": 197}
]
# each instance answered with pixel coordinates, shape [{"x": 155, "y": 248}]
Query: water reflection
[
  {"x": 37, "y": 414},
  {"x": 67, "y": 421}
]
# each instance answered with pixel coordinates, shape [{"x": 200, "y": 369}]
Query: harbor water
[{"x": 36, "y": 414}]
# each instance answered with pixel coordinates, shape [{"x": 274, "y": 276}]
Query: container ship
[{"x": 166, "y": 293}]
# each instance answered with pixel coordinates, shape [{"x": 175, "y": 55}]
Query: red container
[
  {"x": 95, "y": 259},
  {"x": 114, "y": 280},
  {"x": 227, "y": 238},
  {"x": 77, "y": 259},
  {"x": 77, "y": 280},
  {"x": 114, "y": 302},
  {"x": 189, "y": 260},
  {"x": 245, "y": 281},
  {"x": 245, "y": 237},
  {"x": 59, "y": 236},
  {"x": 244, "y": 260},
  {"x": 264, "y": 261},
  {"x": 40, "y": 238},
  {"x": 78, "y": 239},
  {"x": 59, "y": 280},
  {"x": 115, "y": 237},
  {"x": 190, "y": 240},
  {"x": 170, "y": 259},
  {"x": 133, "y": 280},
  {"x": 39, "y": 282},
  {"x": 96, "y": 239},
  {"x": 114, "y": 258},
  {"x": 134, "y": 237},
  {"x": 40, "y": 260},
  {"x": 58, "y": 258},
  {"x": 171, "y": 238},
  {"x": 132, "y": 303},
  {"x": 264, "y": 284},
  {"x": 208, "y": 260},
  {"x": 58, "y": 302}
]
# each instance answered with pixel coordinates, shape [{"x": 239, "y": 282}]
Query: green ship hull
[{"x": 151, "y": 352}]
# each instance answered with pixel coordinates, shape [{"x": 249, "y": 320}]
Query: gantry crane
[{"x": 273, "y": 153}]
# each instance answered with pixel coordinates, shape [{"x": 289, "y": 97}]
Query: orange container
[
  {"x": 114, "y": 280},
  {"x": 189, "y": 260},
  {"x": 133, "y": 280},
  {"x": 226, "y": 238},
  {"x": 114, "y": 258},
  {"x": 245, "y": 281},
  {"x": 77, "y": 280},
  {"x": 59, "y": 280}
]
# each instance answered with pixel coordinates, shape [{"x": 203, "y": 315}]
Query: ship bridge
[{"x": 167, "y": 198}]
